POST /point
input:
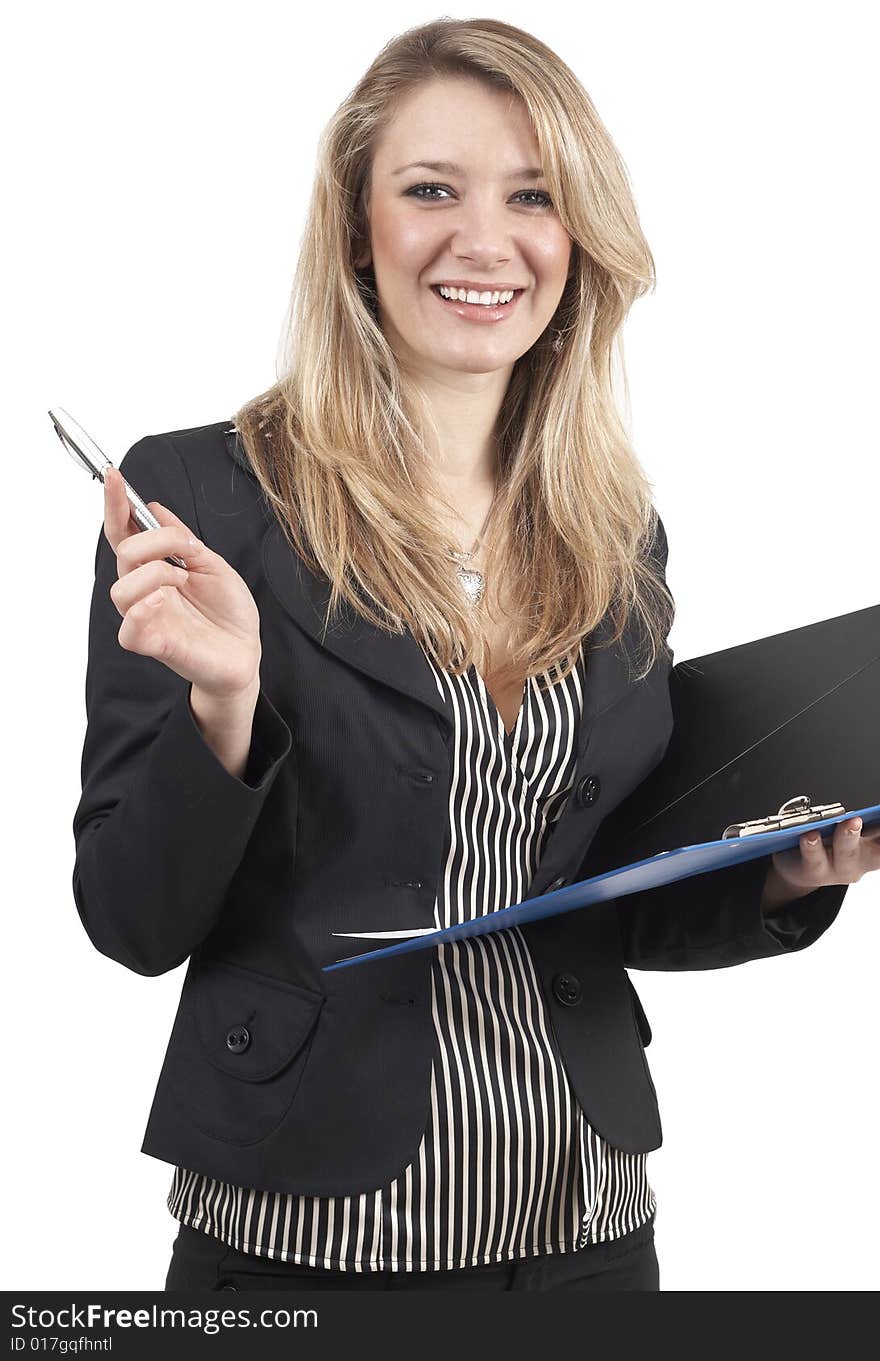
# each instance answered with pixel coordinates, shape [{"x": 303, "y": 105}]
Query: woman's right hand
[{"x": 203, "y": 623}]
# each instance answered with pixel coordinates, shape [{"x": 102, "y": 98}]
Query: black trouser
[{"x": 201, "y": 1262}]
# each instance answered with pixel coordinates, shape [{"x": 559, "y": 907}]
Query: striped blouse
[{"x": 508, "y": 1166}]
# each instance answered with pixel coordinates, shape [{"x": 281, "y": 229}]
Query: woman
[{"x": 445, "y": 743}]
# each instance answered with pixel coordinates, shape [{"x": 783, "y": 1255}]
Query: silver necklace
[{"x": 472, "y": 581}]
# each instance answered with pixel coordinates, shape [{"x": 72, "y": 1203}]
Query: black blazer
[{"x": 278, "y": 1076}]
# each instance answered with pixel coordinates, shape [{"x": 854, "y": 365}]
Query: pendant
[{"x": 473, "y": 584}]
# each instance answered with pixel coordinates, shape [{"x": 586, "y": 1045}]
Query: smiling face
[{"x": 489, "y": 223}]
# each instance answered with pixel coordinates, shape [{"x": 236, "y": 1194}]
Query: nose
[{"x": 482, "y": 233}]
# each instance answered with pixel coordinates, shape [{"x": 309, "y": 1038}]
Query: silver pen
[{"x": 85, "y": 452}]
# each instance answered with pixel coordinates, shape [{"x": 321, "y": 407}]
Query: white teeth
[{"x": 484, "y": 299}]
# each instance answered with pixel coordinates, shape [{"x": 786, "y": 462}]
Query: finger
[
  {"x": 847, "y": 849},
  {"x": 814, "y": 852},
  {"x": 191, "y": 549},
  {"x": 165, "y": 516},
  {"x": 151, "y": 545},
  {"x": 144, "y": 582},
  {"x": 118, "y": 519}
]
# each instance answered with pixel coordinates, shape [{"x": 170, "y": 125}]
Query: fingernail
[
  {"x": 811, "y": 840},
  {"x": 856, "y": 826}
]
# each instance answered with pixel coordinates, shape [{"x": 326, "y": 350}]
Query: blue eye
[{"x": 539, "y": 193}]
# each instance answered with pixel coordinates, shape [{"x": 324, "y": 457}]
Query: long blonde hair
[{"x": 337, "y": 442}]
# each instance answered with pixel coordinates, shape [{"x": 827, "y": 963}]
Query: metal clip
[{"x": 793, "y": 813}]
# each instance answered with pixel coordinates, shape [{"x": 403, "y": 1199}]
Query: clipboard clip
[{"x": 793, "y": 813}]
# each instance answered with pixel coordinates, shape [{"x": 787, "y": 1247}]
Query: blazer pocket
[{"x": 239, "y": 1049}]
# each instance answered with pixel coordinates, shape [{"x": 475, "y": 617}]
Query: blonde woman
[{"x": 417, "y": 655}]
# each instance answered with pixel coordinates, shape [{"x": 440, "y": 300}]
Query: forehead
[{"x": 460, "y": 121}]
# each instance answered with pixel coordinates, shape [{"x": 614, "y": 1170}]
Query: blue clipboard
[{"x": 663, "y": 868}]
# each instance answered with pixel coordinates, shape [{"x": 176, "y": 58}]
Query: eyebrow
[{"x": 526, "y": 172}]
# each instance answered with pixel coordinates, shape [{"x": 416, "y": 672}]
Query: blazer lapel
[
  {"x": 393, "y": 658},
  {"x": 398, "y": 661}
]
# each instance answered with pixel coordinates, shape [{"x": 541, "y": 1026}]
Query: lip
[{"x": 478, "y": 312}]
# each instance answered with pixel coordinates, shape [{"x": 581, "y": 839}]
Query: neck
[
  {"x": 460, "y": 415},
  {"x": 466, "y": 520}
]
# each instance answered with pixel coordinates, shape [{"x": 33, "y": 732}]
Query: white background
[{"x": 159, "y": 159}]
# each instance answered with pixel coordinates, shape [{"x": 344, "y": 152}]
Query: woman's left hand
[{"x": 848, "y": 856}]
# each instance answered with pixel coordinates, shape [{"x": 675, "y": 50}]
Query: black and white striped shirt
[{"x": 508, "y": 1166}]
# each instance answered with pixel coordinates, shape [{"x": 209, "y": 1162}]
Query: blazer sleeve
[
  {"x": 161, "y": 826},
  {"x": 711, "y": 921},
  {"x": 714, "y": 920}
]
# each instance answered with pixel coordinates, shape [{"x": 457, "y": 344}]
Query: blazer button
[
  {"x": 567, "y": 989},
  {"x": 238, "y": 1039},
  {"x": 588, "y": 790}
]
